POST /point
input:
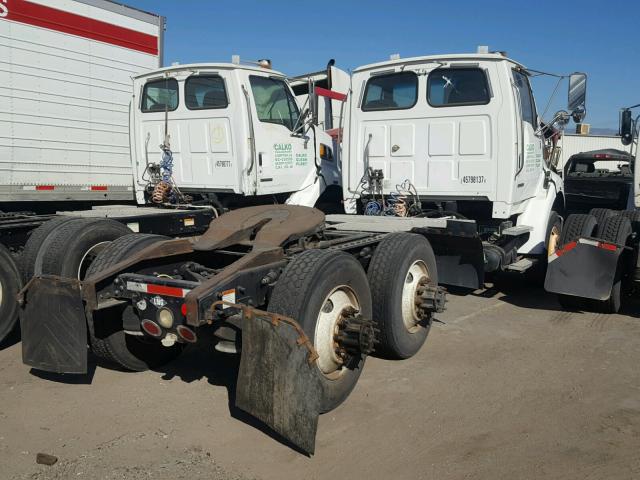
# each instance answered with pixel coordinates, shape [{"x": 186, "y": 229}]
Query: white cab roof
[
  {"x": 210, "y": 66},
  {"x": 438, "y": 58}
]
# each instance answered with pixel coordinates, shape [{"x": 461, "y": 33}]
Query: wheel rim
[
  {"x": 554, "y": 240},
  {"x": 89, "y": 256},
  {"x": 417, "y": 275},
  {"x": 335, "y": 307}
]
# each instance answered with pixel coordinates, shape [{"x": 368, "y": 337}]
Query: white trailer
[{"x": 66, "y": 69}]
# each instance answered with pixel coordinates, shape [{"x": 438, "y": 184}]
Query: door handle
[
  {"x": 395, "y": 148},
  {"x": 260, "y": 159}
]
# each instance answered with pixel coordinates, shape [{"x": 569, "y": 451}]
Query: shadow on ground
[
  {"x": 201, "y": 361},
  {"x": 520, "y": 291},
  {"x": 11, "y": 339}
]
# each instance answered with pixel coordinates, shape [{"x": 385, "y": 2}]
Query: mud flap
[
  {"x": 53, "y": 324},
  {"x": 583, "y": 270},
  {"x": 459, "y": 259},
  {"x": 277, "y": 383}
]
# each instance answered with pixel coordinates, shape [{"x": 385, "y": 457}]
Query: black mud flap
[
  {"x": 459, "y": 259},
  {"x": 53, "y": 324},
  {"x": 583, "y": 269},
  {"x": 277, "y": 383}
]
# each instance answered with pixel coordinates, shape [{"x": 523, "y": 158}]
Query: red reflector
[
  {"x": 45, "y": 187},
  {"x": 162, "y": 290},
  {"x": 602, "y": 155},
  {"x": 186, "y": 334},
  {"x": 608, "y": 246},
  {"x": 152, "y": 328},
  {"x": 183, "y": 309},
  {"x": 566, "y": 248},
  {"x": 100, "y": 188}
]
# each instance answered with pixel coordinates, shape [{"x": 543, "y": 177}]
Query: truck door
[
  {"x": 284, "y": 160},
  {"x": 529, "y": 160}
]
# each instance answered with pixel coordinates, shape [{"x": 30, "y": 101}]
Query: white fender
[{"x": 536, "y": 215}]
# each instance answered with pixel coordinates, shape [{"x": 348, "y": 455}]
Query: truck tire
[
  {"x": 634, "y": 218},
  {"x": 400, "y": 262},
  {"x": 310, "y": 282},
  {"x": 578, "y": 225},
  {"x": 10, "y": 285},
  {"x": 601, "y": 215},
  {"x": 107, "y": 338},
  {"x": 616, "y": 230},
  {"x": 71, "y": 247},
  {"x": 34, "y": 244}
]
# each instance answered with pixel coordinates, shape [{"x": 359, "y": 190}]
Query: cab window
[
  {"x": 396, "y": 91},
  {"x": 202, "y": 92},
  {"x": 274, "y": 102},
  {"x": 527, "y": 106},
  {"x": 449, "y": 87},
  {"x": 160, "y": 95}
]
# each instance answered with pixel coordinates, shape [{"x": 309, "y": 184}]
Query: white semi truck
[
  {"x": 93, "y": 121},
  {"x": 458, "y": 136},
  {"x": 306, "y": 297}
]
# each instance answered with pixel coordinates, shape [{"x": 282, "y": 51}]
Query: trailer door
[{"x": 284, "y": 159}]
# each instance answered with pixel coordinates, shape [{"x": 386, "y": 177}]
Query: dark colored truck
[{"x": 596, "y": 263}]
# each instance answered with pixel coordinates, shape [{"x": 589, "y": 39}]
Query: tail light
[
  {"x": 186, "y": 334},
  {"x": 152, "y": 328}
]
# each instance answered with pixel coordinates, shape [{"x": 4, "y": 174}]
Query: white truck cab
[
  {"x": 233, "y": 131},
  {"x": 463, "y": 130}
]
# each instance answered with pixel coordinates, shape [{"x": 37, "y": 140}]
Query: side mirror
[
  {"x": 577, "y": 96},
  {"x": 626, "y": 126}
]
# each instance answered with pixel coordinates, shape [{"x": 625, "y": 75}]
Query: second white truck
[{"x": 458, "y": 136}]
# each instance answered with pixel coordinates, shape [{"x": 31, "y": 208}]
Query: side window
[
  {"x": 160, "y": 95},
  {"x": 448, "y": 87},
  {"x": 205, "y": 92},
  {"x": 274, "y": 102},
  {"x": 526, "y": 99},
  {"x": 395, "y": 91}
]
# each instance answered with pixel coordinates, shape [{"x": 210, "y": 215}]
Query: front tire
[
  {"x": 316, "y": 289},
  {"x": 401, "y": 263}
]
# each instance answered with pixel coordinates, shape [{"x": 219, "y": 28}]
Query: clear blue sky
[{"x": 562, "y": 36}]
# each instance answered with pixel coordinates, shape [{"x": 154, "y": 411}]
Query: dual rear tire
[
  {"x": 608, "y": 226},
  {"x": 319, "y": 287},
  {"x": 10, "y": 285}
]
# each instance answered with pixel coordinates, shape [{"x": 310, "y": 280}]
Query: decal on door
[
  {"x": 532, "y": 159},
  {"x": 223, "y": 163},
  {"x": 4, "y": 9},
  {"x": 302, "y": 159},
  {"x": 282, "y": 155}
]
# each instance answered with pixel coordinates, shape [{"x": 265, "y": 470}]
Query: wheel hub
[
  {"x": 417, "y": 275},
  {"x": 356, "y": 335},
  {"x": 429, "y": 300}
]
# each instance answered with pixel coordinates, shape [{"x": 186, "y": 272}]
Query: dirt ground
[{"x": 507, "y": 387}]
